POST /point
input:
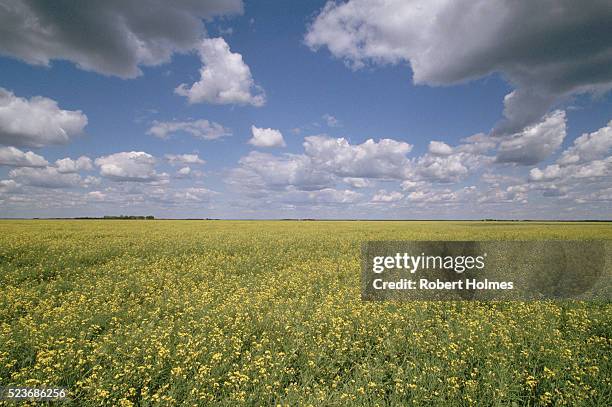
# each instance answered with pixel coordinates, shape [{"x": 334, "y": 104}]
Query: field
[{"x": 267, "y": 313}]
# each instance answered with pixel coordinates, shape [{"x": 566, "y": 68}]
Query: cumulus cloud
[
  {"x": 193, "y": 194},
  {"x": 383, "y": 159},
  {"x": 322, "y": 196},
  {"x": 603, "y": 195},
  {"x": 384, "y": 196},
  {"x": 432, "y": 196},
  {"x": 47, "y": 177},
  {"x": 90, "y": 180},
  {"x": 356, "y": 182},
  {"x": 327, "y": 161},
  {"x": 96, "y": 196},
  {"x": 224, "y": 78},
  {"x": 139, "y": 194},
  {"x": 447, "y": 42},
  {"x": 476, "y": 144},
  {"x": 498, "y": 178},
  {"x": 36, "y": 122},
  {"x": 136, "y": 166},
  {"x": 202, "y": 129},
  {"x": 266, "y": 137},
  {"x": 535, "y": 143},
  {"x": 108, "y": 37},
  {"x": 587, "y": 161},
  {"x": 164, "y": 195},
  {"x": 593, "y": 169},
  {"x": 549, "y": 173},
  {"x": 187, "y": 172},
  {"x": 410, "y": 185},
  {"x": 14, "y": 157},
  {"x": 425, "y": 194},
  {"x": 261, "y": 171},
  {"x": 446, "y": 164},
  {"x": 184, "y": 172},
  {"x": 440, "y": 148},
  {"x": 8, "y": 186},
  {"x": 450, "y": 168},
  {"x": 510, "y": 194},
  {"x": 589, "y": 146},
  {"x": 68, "y": 165},
  {"x": 183, "y": 159}
]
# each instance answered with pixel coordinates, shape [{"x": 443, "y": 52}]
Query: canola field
[{"x": 232, "y": 313}]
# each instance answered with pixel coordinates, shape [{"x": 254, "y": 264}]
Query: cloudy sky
[{"x": 272, "y": 109}]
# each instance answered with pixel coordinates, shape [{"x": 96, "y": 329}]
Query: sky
[{"x": 361, "y": 109}]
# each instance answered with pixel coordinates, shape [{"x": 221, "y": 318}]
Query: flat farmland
[{"x": 233, "y": 313}]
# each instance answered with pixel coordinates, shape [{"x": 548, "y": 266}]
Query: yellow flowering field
[{"x": 235, "y": 313}]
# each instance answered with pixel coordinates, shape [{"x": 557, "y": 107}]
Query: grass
[{"x": 267, "y": 313}]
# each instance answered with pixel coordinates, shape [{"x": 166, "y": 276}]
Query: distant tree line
[{"x": 148, "y": 217}]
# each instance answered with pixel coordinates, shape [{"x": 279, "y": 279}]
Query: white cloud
[
  {"x": 36, "y": 122},
  {"x": 262, "y": 171},
  {"x": 447, "y": 42},
  {"x": 446, "y": 164},
  {"x": 202, "y": 129},
  {"x": 331, "y": 164},
  {"x": 136, "y": 166},
  {"x": 432, "y": 196},
  {"x": 141, "y": 194},
  {"x": 552, "y": 190},
  {"x": 584, "y": 166},
  {"x": 593, "y": 169},
  {"x": 96, "y": 195},
  {"x": 589, "y": 146},
  {"x": 175, "y": 196},
  {"x": 151, "y": 196},
  {"x": 266, "y": 137},
  {"x": 604, "y": 195},
  {"x": 90, "y": 180},
  {"x": 182, "y": 159},
  {"x": 476, "y": 144},
  {"x": 109, "y": 37},
  {"x": 409, "y": 185},
  {"x": 440, "y": 148},
  {"x": 383, "y": 159},
  {"x": 14, "y": 157},
  {"x": 224, "y": 78},
  {"x": 424, "y": 195},
  {"x": 535, "y": 143},
  {"x": 356, "y": 182},
  {"x": 498, "y": 178},
  {"x": 68, "y": 165},
  {"x": 191, "y": 195},
  {"x": 8, "y": 186},
  {"x": 184, "y": 172},
  {"x": 549, "y": 173},
  {"x": 384, "y": 196},
  {"x": 510, "y": 194},
  {"x": 328, "y": 161},
  {"x": 450, "y": 168},
  {"x": 48, "y": 177},
  {"x": 322, "y": 196}
]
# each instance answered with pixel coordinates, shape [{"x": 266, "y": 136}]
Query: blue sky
[{"x": 327, "y": 72}]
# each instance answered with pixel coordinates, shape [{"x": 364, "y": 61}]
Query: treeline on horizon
[
  {"x": 128, "y": 217},
  {"x": 151, "y": 217}
]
